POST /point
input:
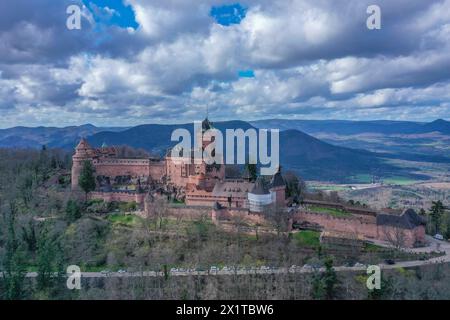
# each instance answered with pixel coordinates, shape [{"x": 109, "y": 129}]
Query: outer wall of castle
[{"x": 364, "y": 227}]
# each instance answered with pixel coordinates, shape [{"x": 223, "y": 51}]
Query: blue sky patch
[
  {"x": 228, "y": 14},
  {"x": 112, "y": 12},
  {"x": 246, "y": 74}
]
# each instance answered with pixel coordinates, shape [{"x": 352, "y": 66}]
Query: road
[{"x": 434, "y": 245}]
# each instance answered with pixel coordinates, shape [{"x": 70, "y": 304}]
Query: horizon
[{"x": 213, "y": 121}]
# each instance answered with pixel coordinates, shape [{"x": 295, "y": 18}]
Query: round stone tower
[
  {"x": 259, "y": 197},
  {"x": 83, "y": 152}
]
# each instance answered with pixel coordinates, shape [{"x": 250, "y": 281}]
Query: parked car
[
  {"x": 264, "y": 268},
  {"x": 389, "y": 261},
  {"x": 213, "y": 269},
  {"x": 438, "y": 236},
  {"x": 122, "y": 271}
]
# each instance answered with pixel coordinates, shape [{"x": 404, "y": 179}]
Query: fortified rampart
[
  {"x": 361, "y": 226},
  {"x": 132, "y": 167},
  {"x": 118, "y": 196}
]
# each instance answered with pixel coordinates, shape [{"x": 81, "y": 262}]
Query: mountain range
[
  {"x": 413, "y": 141},
  {"x": 315, "y": 149},
  {"x": 357, "y": 127}
]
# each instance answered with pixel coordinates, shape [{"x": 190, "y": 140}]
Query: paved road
[{"x": 435, "y": 245}]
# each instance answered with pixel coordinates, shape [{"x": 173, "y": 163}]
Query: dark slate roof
[
  {"x": 409, "y": 219},
  {"x": 206, "y": 124},
  {"x": 277, "y": 180},
  {"x": 217, "y": 206},
  {"x": 260, "y": 187}
]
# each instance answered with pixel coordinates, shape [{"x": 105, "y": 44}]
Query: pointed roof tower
[
  {"x": 206, "y": 124},
  {"x": 260, "y": 187},
  {"x": 277, "y": 179},
  {"x": 83, "y": 145}
]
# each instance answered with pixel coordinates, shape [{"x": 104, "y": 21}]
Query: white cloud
[{"x": 310, "y": 58}]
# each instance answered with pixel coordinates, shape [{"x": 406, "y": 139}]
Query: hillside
[
  {"x": 412, "y": 141},
  {"x": 310, "y": 157}
]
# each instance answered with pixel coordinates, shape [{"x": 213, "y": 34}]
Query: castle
[{"x": 201, "y": 185}]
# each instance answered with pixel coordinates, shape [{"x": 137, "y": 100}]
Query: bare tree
[
  {"x": 278, "y": 217},
  {"x": 395, "y": 236}
]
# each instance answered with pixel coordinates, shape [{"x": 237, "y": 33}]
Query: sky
[{"x": 167, "y": 61}]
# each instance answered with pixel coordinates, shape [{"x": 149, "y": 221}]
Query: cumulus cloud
[{"x": 311, "y": 59}]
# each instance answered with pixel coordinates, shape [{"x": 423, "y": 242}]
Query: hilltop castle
[{"x": 199, "y": 184}]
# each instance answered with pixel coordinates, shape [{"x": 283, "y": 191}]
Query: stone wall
[
  {"x": 351, "y": 225},
  {"x": 403, "y": 237},
  {"x": 132, "y": 167},
  {"x": 229, "y": 214},
  {"x": 118, "y": 196},
  {"x": 362, "y": 226},
  {"x": 340, "y": 206},
  {"x": 204, "y": 198}
]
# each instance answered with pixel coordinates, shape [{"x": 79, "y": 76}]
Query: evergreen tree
[
  {"x": 317, "y": 288},
  {"x": 384, "y": 292},
  {"x": 324, "y": 285},
  {"x": 86, "y": 181},
  {"x": 73, "y": 211},
  {"x": 252, "y": 171},
  {"x": 436, "y": 213},
  {"x": 29, "y": 236},
  {"x": 13, "y": 265},
  {"x": 47, "y": 260},
  {"x": 330, "y": 280}
]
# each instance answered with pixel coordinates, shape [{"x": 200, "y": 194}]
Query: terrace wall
[
  {"x": 132, "y": 167},
  {"x": 361, "y": 226},
  {"x": 118, "y": 196},
  {"x": 351, "y": 225}
]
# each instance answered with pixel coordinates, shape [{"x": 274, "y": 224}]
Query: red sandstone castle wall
[
  {"x": 177, "y": 173},
  {"x": 202, "y": 198},
  {"x": 363, "y": 226},
  {"x": 132, "y": 167},
  {"x": 231, "y": 213},
  {"x": 118, "y": 196},
  {"x": 405, "y": 237},
  {"x": 280, "y": 195},
  {"x": 348, "y": 225}
]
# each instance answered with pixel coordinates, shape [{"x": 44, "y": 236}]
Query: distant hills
[
  {"x": 413, "y": 141},
  {"x": 310, "y": 157},
  {"x": 25, "y": 137},
  {"x": 357, "y": 127},
  {"x": 321, "y": 150}
]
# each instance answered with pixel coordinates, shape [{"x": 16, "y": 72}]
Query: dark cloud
[{"x": 309, "y": 58}]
